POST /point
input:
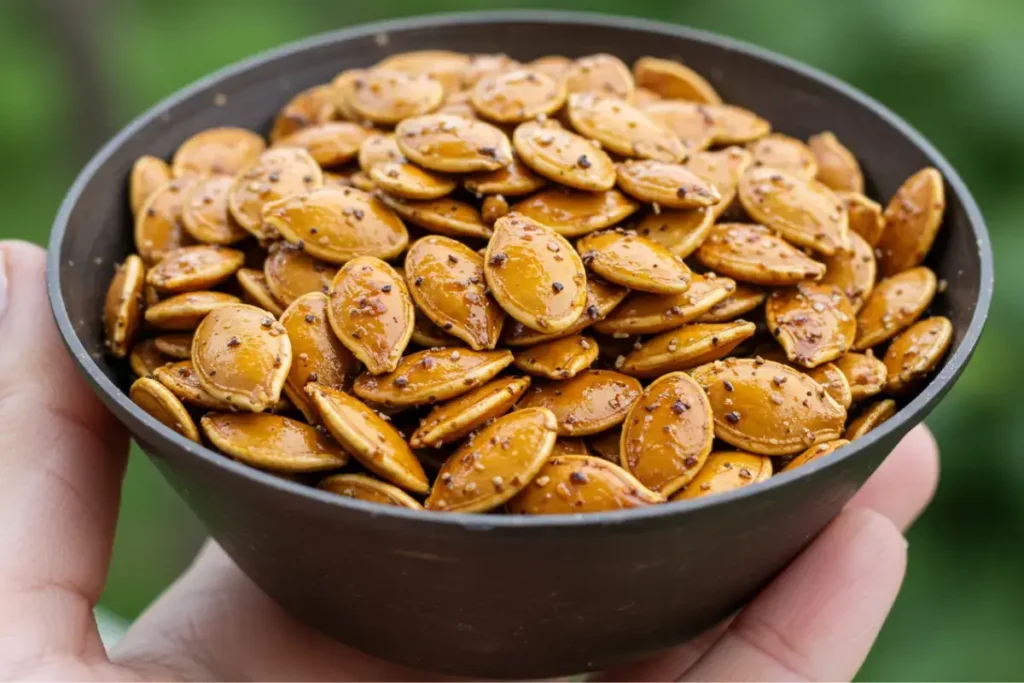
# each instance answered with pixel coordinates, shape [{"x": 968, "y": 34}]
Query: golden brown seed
[
  {"x": 784, "y": 153},
  {"x": 256, "y": 292},
  {"x": 122, "y": 307},
  {"x": 559, "y": 358},
  {"x": 518, "y": 95},
  {"x": 495, "y": 464},
  {"x": 387, "y": 97},
  {"x": 567, "y": 445},
  {"x": 644, "y": 97},
  {"x": 205, "y": 215},
  {"x": 453, "y": 144},
  {"x": 291, "y": 272},
  {"x": 726, "y": 471},
  {"x": 217, "y": 150},
  {"x": 854, "y": 272},
  {"x": 723, "y": 169},
  {"x": 180, "y": 378},
  {"x": 433, "y": 375},
  {"x": 444, "y": 66},
  {"x": 590, "y": 402},
  {"x": 189, "y": 269},
  {"x": 574, "y": 484},
  {"x": 451, "y": 421},
  {"x": 917, "y": 352},
  {"x": 635, "y": 262},
  {"x": 564, "y": 157},
  {"x": 362, "y": 487},
  {"x": 273, "y": 442},
  {"x": 912, "y": 218},
  {"x": 277, "y": 173},
  {"x": 681, "y": 231},
  {"x": 872, "y": 416},
  {"x": 805, "y": 212},
  {"x": 622, "y": 128},
  {"x": 866, "y": 218},
  {"x": 148, "y": 175},
  {"x": 379, "y": 148},
  {"x": 493, "y": 208},
  {"x": 666, "y": 184},
  {"x": 837, "y": 167},
  {"x": 645, "y": 313},
  {"x": 768, "y": 408},
  {"x": 894, "y": 304},
  {"x": 601, "y": 73},
  {"x": 753, "y": 253},
  {"x": 673, "y": 81},
  {"x": 513, "y": 180},
  {"x": 317, "y": 353},
  {"x": 159, "y": 402},
  {"x": 865, "y": 374},
  {"x": 668, "y": 434},
  {"x": 481, "y": 65},
  {"x": 446, "y": 216},
  {"x": 813, "y": 322},
  {"x": 572, "y": 213},
  {"x": 702, "y": 125},
  {"x": 338, "y": 224},
  {"x": 428, "y": 335},
  {"x": 535, "y": 274},
  {"x": 602, "y": 298},
  {"x": 175, "y": 345},
  {"x": 311, "y": 106},
  {"x": 158, "y": 224},
  {"x": 555, "y": 66},
  {"x": 606, "y": 444},
  {"x": 186, "y": 311},
  {"x": 686, "y": 347},
  {"x": 448, "y": 285},
  {"x": 371, "y": 312},
  {"x": 834, "y": 382},
  {"x": 813, "y": 453},
  {"x": 240, "y": 359},
  {"x": 410, "y": 181},
  {"x": 145, "y": 358},
  {"x": 743, "y": 300},
  {"x": 331, "y": 144},
  {"x": 369, "y": 438}
]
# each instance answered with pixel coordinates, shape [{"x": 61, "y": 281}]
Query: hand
[{"x": 62, "y": 457}]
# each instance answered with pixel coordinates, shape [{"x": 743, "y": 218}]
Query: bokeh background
[{"x": 73, "y": 71}]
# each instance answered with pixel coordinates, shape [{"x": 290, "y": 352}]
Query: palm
[{"x": 61, "y": 461}]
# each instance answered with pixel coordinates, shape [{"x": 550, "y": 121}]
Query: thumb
[{"x": 61, "y": 460}]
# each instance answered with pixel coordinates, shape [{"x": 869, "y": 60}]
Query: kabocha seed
[{"x": 477, "y": 285}]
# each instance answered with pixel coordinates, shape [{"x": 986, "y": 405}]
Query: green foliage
[{"x": 950, "y": 67}]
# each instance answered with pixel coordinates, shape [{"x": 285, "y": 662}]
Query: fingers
[
  {"x": 905, "y": 483},
  {"x": 215, "y": 624},
  {"x": 61, "y": 461},
  {"x": 819, "y": 618}
]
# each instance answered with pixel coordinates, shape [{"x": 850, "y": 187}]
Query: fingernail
[{"x": 4, "y": 289}]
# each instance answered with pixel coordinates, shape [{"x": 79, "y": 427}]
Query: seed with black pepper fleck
[
  {"x": 386, "y": 288},
  {"x": 578, "y": 477},
  {"x": 557, "y": 286},
  {"x": 732, "y": 417},
  {"x": 583, "y": 161},
  {"x": 401, "y": 381}
]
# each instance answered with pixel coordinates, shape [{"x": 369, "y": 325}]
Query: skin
[{"x": 62, "y": 457}]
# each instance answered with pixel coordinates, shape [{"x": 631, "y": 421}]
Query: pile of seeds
[{"x": 465, "y": 283}]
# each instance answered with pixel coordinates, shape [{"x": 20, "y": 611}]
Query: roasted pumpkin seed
[
  {"x": 410, "y": 181},
  {"x": 205, "y": 215},
  {"x": 837, "y": 167},
  {"x": 277, "y": 173},
  {"x": 493, "y": 208},
  {"x": 311, "y": 106},
  {"x": 446, "y": 216},
  {"x": 668, "y": 434},
  {"x": 242, "y": 356},
  {"x": 917, "y": 352},
  {"x": 159, "y": 402},
  {"x": 158, "y": 224},
  {"x": 448, "y": 285},
  {"x": 680, "y": 231},
  {"x": 494, "y": 464},
  {"x": 813, "y": 322},
  {"x": 562, "y": 358},
  {"x": 429, "y": 376},
  {"x": 513, "y": 180},
  {"x": 145, "y": 358},
  {"x": 854, "y": 271},
  {"x": 645, "y": 313},
  {"x": 518, "y": 95},
  {"x": 622, "y": 128},
  {"x": 186, "y": 311},
  {"x": 454, "y": 420},
  {"x": 866, "y": 218},
  {"x": 122, "y": 307},
  {"x": 895, "y": 303},
  {"x": 369, "y": 438},
  {"x": 912, "y": 218},
  {"x": 217, "y": 150},
  {"x": 686, "y": 347},
  {"x": 627, "y": 259},
  {"x": 572, "y": 213},
  {"x": 273, "y": 442},
  {"x": 362, "y": 487},
  {"x": 768, "y": 408},
  {"x": 834, "y": 382},
  {"x": 743, "y": 300},
  {"x": 180, "y": 378},
  {"x": 784, "y": 153},
  {"x": 753, "y": 253},
  {"x": 666, "y": 184},
  {"x": 388, "y": 97},
  {"x": 256, "y": 292},
  {"x": 865, "y": 374},
  {"x": 291, "y": 272},
  {"x": 444, "y": 66},
  {"x": 567, "y": 445},
  {"x": 175, "y": 345},
  {"x": 379, "y": 148},
  {"x": 148, "y": 175},
  {"x": 871, "y": 417},
  {"x": 726, "y": 471},
  {"x": 814, "y": 452},
  {"x": 453, "y": 144},
  {"x": 189, "y": 269},
  {"x": 723, "y": 169},
  {"x": 330, "y": 144},
  {"x": 673, "y": 81},
  {"x": 428, "y": 335},
  {"x": 600, "y": 73},
  {"x": 574, "y": 484},
  {"x": 602, "y": 298},
  {"x": 701, "y": 125},
  {"x": 563, "y": 156},
  {"x": 590, "y": 402}
]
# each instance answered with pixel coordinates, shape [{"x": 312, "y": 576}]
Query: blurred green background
[{"x": 73, "y": 71}]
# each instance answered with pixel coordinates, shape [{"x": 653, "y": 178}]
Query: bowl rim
[{"x": 938, "y": 384}]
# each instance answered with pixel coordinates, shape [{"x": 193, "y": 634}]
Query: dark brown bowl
[{"x": 485, "y": 595}]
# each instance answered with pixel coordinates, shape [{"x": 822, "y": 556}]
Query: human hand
[{"x": 62, "y": 458}]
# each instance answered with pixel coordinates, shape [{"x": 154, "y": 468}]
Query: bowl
[{"x": 486, "y": 595}]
